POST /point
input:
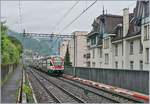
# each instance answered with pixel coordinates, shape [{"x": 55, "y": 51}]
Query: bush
[{"x": 11, "y": 48}]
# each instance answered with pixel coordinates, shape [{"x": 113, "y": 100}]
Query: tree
[
  {"x": 67, "y": 57},
  {"x": 11, "y": 48}
]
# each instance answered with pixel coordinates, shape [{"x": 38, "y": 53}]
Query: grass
[{"x": 28, "y": 91}]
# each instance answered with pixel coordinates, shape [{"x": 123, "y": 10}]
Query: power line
[
  {"x": 78, "y": 16},
  {"x": 76, "y": 19},
  {"x": 66, "y": 14},
  {"x": 63, "y": 17}
]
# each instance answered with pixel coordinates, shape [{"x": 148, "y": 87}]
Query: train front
[{"x": 57, "y": 65}]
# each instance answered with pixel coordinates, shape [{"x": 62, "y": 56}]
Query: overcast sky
[{"x": 42, "y": 16}]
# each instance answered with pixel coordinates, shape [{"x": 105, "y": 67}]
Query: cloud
[{"x": 42, "y": 16}]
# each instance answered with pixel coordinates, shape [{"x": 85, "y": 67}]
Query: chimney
[{"x": 125, "y": 21}]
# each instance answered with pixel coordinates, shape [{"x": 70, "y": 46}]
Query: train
[{"x": 53, "y": 65}]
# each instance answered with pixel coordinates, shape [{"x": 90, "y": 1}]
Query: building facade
[
  {"x": 77, "y": 48},
  {"x": 120, "y": 42},
  {"x": 63, "y": 48},
  {"x": 144, "y": 17}
]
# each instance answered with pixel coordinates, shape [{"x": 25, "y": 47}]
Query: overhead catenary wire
[
  {"x": 66, "y": 14},
  {"x": 78, "y": 16},
  {"x": 62, "y": 18},
  {"x": 75, "y": 19}
]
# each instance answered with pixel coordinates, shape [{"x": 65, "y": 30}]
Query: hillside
[{"x": 42, "y": 45}]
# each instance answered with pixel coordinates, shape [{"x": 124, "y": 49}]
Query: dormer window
[
  {"x": 119, "y": 32},
  {"x": 93, "y": 40}
]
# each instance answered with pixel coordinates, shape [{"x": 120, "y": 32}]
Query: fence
[{"x": 135, "y": 80}]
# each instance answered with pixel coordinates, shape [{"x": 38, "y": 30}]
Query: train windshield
[{"x": 58, "y": 61}]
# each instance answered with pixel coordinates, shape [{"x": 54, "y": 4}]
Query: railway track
[
  {"x": 120, "y": 98},
  {"x": 97, "y": 94},
  {"x": 59, "y": 94},
  {"x": 44, "y": 96}
]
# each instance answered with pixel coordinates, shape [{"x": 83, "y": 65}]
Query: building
[
  {"x": 63, "y": 48},
  {"x": 127, "y": 47},
  {"x": 77, "y": 48},
  {"x": 99, "y": 40},
  {"x": 120, "y": 42},
  {"x": 143, "y": 20}
]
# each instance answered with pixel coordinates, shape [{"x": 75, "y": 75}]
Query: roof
[
  {"x": 118, "y": 30},
  {"x": 133, "y": 29},
  {"x": 106, "y": 21},
  {"x": 140, "y": 7},
  {"x": 113, "y": 23},
  {"x": 110, "y": 15}
]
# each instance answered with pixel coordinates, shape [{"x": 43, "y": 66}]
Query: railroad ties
[{"x": 50, "y": 89}]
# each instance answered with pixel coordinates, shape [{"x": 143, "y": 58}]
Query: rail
[{"x": 79, "y": 100}]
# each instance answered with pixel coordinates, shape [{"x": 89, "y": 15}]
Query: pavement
[{"x": 10, "y": 87}]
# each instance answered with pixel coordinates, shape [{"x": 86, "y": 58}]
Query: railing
[{"x": 136, "y": 80}]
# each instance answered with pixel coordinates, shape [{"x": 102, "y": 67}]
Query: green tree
[
  {"x": 11, "y": 48},
  {"x": 67, "y": 57}
]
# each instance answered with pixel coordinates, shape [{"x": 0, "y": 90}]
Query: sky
[{"x": 42, "y": 16}]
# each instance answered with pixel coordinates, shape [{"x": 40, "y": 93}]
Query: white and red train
[{"x": 50, "y": 65}]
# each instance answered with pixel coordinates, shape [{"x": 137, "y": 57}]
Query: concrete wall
[
  {"x": 135, "y": 80},
  {"x": 6, "y": 70}
]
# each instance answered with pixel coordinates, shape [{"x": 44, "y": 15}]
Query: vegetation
[
  {"x": 67, "y": 58},
  {"x": 28, "y": 91},
  {"x": 11, "y": 48}
]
